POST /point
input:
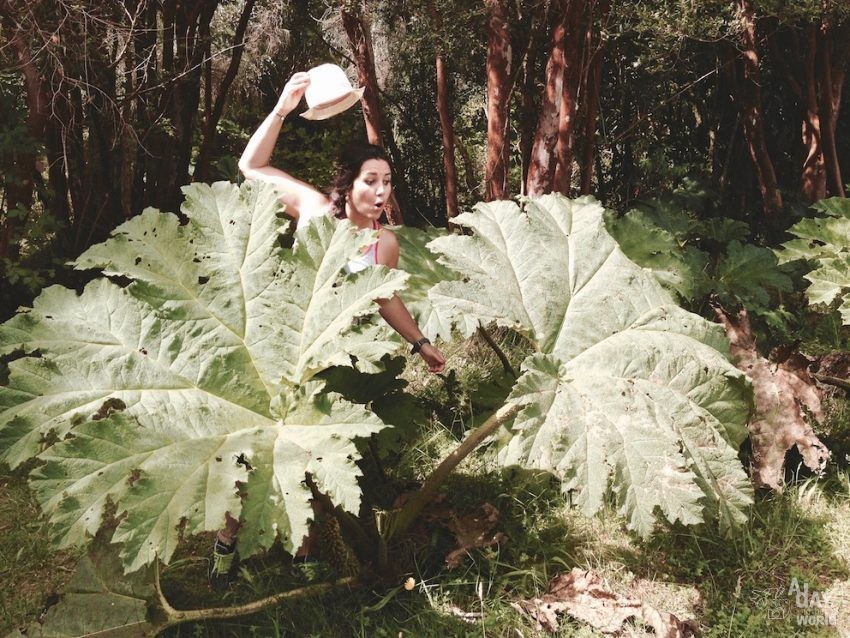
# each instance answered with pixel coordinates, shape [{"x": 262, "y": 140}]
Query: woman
[{"x": 360, "y": 192}]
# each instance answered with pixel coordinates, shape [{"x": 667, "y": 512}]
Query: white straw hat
[{"x": 329, "y": 92}]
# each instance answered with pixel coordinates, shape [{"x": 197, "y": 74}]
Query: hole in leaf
[
  {"x": 137, "y": 261},
  {"x": 202, "y": 280},
  {"x": 110, "y": 406},
  {"x": 134, "y": 477}
]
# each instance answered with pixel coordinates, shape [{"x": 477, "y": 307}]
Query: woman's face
[{"x": 369, "y": 192}]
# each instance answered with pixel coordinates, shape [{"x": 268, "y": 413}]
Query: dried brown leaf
[
  {"x": 786, "y": 398},
  {"x": 473, "y": 530},
  {"x": 583, "y": 595}
]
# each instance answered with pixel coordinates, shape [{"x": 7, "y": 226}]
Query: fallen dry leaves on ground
[
  {"x": 583, "y": 595},
  {"x": 474, "y": 529}
]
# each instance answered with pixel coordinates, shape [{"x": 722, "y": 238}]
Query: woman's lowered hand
[{"x": 433, "y": 357}]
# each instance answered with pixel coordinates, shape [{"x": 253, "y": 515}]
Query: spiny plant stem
[
  {"x": 348, "y": 522},
  {"x": 414, "y": 506}
]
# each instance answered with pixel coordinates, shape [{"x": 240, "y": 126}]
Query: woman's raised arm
[{"x": 296, "y": 195}]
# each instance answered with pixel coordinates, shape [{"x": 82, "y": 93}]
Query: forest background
[
  {"x": 731, "y": 110},
  {"x": 111, "y": 107}
]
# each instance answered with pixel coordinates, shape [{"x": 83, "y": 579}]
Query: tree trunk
[
  {"x": 595, "y": 48},
  {"x": 528, "y": 109},
  {"x": 360, "y": 42},
  {"x": 361, "y": 47},
  {"x": 830, "y": 102},
  {"x": 447, "y": 126},
  {"x": 750, "y": 105},
  {"x": 444, "y": 110},
  {"x": 18, "y": 183},
  {"x": 193, "y": 27},
  {"x": 498, "y": 95},
  {"x": 542, "y": 162},
  {"x": 813, "y": 179},
  {"x": 202, "y": 169},
  {"x": 565, "y": 149}
]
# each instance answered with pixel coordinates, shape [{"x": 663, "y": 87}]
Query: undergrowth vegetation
[
  {"x": 606, "y": 425},
  {"x": 733, "y": 586}
]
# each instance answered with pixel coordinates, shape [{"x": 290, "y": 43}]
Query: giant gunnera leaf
[
  {"x": 628, "y": 395},
  {"x": 825, "y": 241},
  {"x": 425, "y": 272},
  {"x": 188, "y": 393}
]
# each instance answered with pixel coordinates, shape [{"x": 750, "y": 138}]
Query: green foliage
[
  {"x": 627, "y": 393},
  {"x": 172, "y": 387},
  {"x": 34, "y": 233},
  {"x": 193, "y": 391},
  {"x": 824, "y": 242},
  {"x": 656, "y": 244},
  {"x": 697, "y": 259}
]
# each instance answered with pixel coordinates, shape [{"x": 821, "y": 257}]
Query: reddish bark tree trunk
[
  {"x": 550, "y": 166},
  {"x": 813, "y": 179},
  {"x": 542, "y": 163},
  {"x": 528, "y": 109},
  {"x": 595, "y": 49},
  {"x": 498, "y": 101},
  {"x": 213, "y": 115},
  {"x": 750, "y": 105},
  {"x": 831, "y": 101},
  {"x": 361, "y": 47},
  {"x": 444, "y": 110},
  {"x": 447, "y": 127},
  {"x": 360, "y": 42},
  {"x": 565, "y": 149},
  {"x": 818, "y": 86}
]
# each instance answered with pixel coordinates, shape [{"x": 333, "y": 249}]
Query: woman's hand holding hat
[{"x": 292, "y": 93}]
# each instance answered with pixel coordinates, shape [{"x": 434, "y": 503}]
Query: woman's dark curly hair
[{"x": 348, "y": 165}]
